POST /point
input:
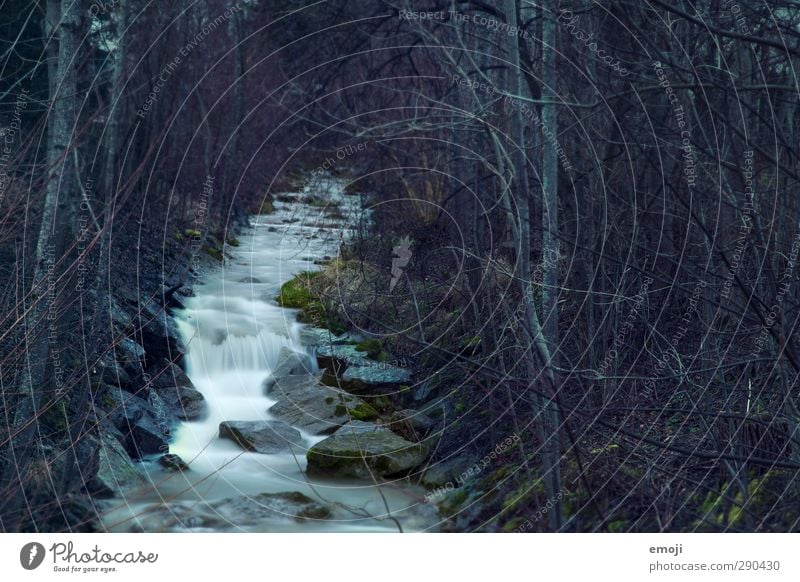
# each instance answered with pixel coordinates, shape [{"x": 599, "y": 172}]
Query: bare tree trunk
[
  {"x": 44, "y": 321},
  {"x": 550, "y": 263}
]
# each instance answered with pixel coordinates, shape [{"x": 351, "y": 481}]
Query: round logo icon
[{"x": 31, "y": 555}]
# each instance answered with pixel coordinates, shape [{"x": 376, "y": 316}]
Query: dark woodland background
[{"x": 602, "y": 199}]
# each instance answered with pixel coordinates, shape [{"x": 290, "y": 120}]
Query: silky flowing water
[{"x": 234, "y": 332}]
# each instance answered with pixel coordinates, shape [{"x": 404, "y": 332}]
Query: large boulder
[
  {"x": 247, "y": 512},
  {"x": 184, "y": 402},
  {"x": 339, "y": 357},
  {"x": 412, "y": 424},
  {"x": 374, "y": 378},
  {"x": 316, "y": 336},
  {"x": 317, "y": 409},
  {"x": 160, "y": 337},
  {"x": 261, "y": 436},
  {"x": 290, "y": 363},
  {"x": 115, "y": 470},
  {"x": 135, "y": 419},
  {"x": 364, "y": 453},
  {"x": 177, "y": 392}
]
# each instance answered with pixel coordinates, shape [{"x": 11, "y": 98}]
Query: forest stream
[{"x": 234, "y": 332}]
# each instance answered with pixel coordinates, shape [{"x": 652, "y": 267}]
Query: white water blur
[{"x": 234, "y": 332}]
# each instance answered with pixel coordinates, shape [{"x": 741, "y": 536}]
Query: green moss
[
  {"x": 329, "y": 400},
  {"x": 460, "y": 407},
  {"x": 363, "y": 412},
  {"x": 373, "y": 347},
  {"x": 192, "y": 233},
  {"x": 234, "y": 242},
  {"x": 54, "y": 417},
  {"x": 296, "y": 292},
  {"x": 215, "y": 253}
]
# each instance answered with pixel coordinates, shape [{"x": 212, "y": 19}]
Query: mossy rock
[
  {"x": 215, "y": 253},
  {"x": 296, "y": 292},
  {"x": 373, "y": 347},
  {"x": 362, "y": 455}
]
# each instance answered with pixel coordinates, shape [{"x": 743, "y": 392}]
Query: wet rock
[
  {"x": 446, "y": 471},
  {"x": 374, "y": 377},
  {"x": 338, "y": 357},
  {"x": 317, "y": 336},
  {"x": 259, "y": 512},
  {"x": 173, "y": 462},
  {"x": 160, "y": 337},
  {"x": 250, "y": 280},
  {"x": 134, "y": 418},
  {"x": 310, "y": 406},
  {"x": 176, "y": 390},
  {"x": 115, "y": 470},
  {"x": 266, "y": 437},
  {"x": 290, "y": 363},
  {"x": 359, "y": 427},
  {"x": 412, "y": 424},
  {"x": 110, "y": 371},
  {"x": 292, "y": 505},
  {"x": 283, "y": 388},
  {"x": 364, "y": 454},
  {"x": 184, "y": 403},
  {"x": 129, "y": 352}
]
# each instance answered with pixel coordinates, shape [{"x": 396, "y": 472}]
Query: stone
[
  {"x": 160, "y": 337},
  {"x": 310, "y": 406},
  {"x": 261, "y": 436},
  {"x": 412, "y": 424},
  {"x": 364, "y": 455},
  {"x": 173, "y": 462},
  {"x": 291, "y": 363},
  {"x": 338, "y": 357},
  {"x": 134, "y": 418},
  {"x": 446, "y": 471},
  {"x": 129, "y": 351},
  {"x": 184, "y": 403},
  {"x": 115, "y": 470},
  {"x": 372, "y": 377}
]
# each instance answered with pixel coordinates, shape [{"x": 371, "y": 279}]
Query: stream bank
[{"x": 265, "y": 442}]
